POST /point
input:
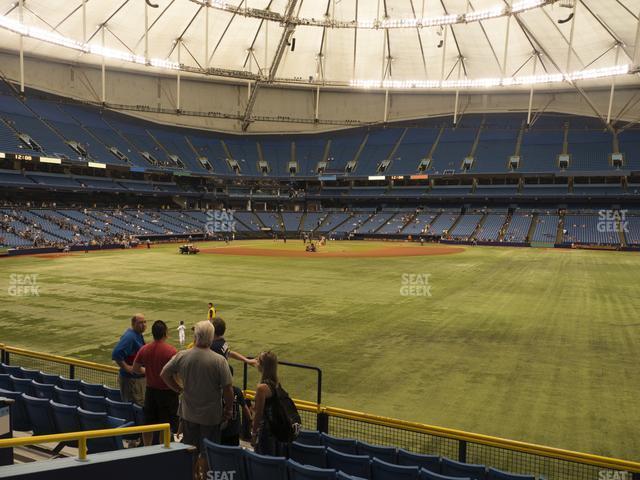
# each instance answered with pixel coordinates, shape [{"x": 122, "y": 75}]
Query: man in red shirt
[{"x": 160, "y": 402}]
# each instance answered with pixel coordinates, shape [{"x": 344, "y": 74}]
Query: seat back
[
  {"x": 5, "y": 382},
  {"x": 93, "y": 403},
  {"x": 345, "y": 476},
  {"x": 22, "y": 385},
  {"x": 19, "y": 418},
  {"x": 31, "y": 374},
  {"x": 494, "y": 474},
  {"x": 12, "y": 370},
  {"x": 309, "y": 437},
  {"x": 223, "y": 458},
  {"x": 381, "y": 470},
  {"x": 113, "y": 393},
  {"x": 459, "y": 469},
  {"x": 94, "y": 389},
  {"x": 264, "y": 467},
  {"x": 428, "y": 462},
  {"x": 358, "y": 465},
  {"x": 386, "y": 454},
  {"x": 427, "y": 475},
  {"x": 65, "y": 417},
  {"x": 120, "y": 410},
  {"x": 40, "y": 415},
  {"x": 138, "y": 414},
  {"x": 69, "y": 383},
  {"x": 49, "y": 379},
  {"x": 298, "y": 471},
  {"x": 314, "y": 455},
  {"x": 344, "y": 445},
  {"x": 100, "y": 421},
  {"x": 43, "y": 390},
  {"x": 66, "y": 397}
]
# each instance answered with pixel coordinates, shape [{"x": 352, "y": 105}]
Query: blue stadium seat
[
  {"x": 314, "y": 455},
  {"x": 121, "y": 410},
  {"x": 93, "y": 403},
  {"x": 113, "y": 394},
  {"x": 101, "y": 421},
  {"x": 69, "y": 383},
  {"x": 12, "y": 370},
  {"x": 309, "y": 437},
  {"x": 94, "y": 389},
  {"x": 49, "y": 379},
  {"x": 428, "y": 462},
  {"x": 344, "y": 445},
  {"x": 388, "y": 471},
  {"x": 346, "y": 476},
  {"x": 5, "y": 381},
  {"x": 386, "y": 454},
  {"x": 65, "y": 417},
  {"x": 19, "y": 418},
  {"x": 43, "y": 390},
  {"x": 30, "y": 374},
  {"x": 223, "y": 458},
  {"x": 427, "y": 475},
  {"x": 358, "y": 465},
  {"x": 22, "y": 385},
  {"x": 307, "y": 472},
  {"x": 264, "y": 467},
  {"x": 493, "y": 474},
  {"x": 66, "y": 397},
  {"x": 40, "y": 415},
  {"x": 459, "y": 469},
  {"x": 138, "y": 412}
]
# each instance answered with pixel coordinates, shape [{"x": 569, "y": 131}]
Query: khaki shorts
[{"x": 132, "y": 389}]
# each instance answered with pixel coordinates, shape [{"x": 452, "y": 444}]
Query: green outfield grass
[{"x": 538, "y": 345}]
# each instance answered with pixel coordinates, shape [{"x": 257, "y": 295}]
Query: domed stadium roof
[{"x": 350, "y": 43}]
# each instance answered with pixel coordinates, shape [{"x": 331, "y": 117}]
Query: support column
[
  {"x": 104, "y": 73},
  {"x": 21, "y": 14},
  {"x": 178, "y": 76},
  {"x": 535, "y": 65},
  {"x": 613, "y": 86}
]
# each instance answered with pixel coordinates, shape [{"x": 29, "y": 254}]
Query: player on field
[
  {"x": 211, "y": 313},
  {"x": 181, "y": 334}
]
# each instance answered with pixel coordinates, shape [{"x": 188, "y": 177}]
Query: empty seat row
[
  {"x": 248, "y": 465},
  {"x": 45, "y": 417},
  {"x": 24, "y": 376}
]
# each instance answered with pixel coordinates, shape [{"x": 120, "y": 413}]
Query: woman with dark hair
[{"x": 261, "y": 437}]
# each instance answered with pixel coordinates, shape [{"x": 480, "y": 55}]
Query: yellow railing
[
  {"x": 513, "y": 445},
  {"x": 81, "y": 437}
]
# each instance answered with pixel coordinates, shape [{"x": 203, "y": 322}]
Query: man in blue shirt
[{"x": 132, "y": 385}]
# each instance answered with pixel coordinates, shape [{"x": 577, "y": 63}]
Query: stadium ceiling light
[
  {"x": 496, "y": 11},
  {"x": 494, "y": 82}
]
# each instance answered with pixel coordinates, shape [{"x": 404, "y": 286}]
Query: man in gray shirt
[{"x": 206, "y": 381}]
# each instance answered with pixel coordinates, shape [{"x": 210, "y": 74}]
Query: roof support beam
[
  {"x": 613, "y": 88},
  {"x": 424, "y": 59},
  {"x": 289, "y": 28},
  {"x": 535, "y": 64},
  {"x": 636, "y": 51},
  {"x": 617, "y": 39},
  {"x": 108, "y": 19},
  {"x": 21, "y": 16}
]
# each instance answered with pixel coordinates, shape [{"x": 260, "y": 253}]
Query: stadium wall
[{"x": 217, "y": 105}]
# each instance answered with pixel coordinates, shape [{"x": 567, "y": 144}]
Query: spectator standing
[
  {"x": 230, "y": 435},
  {"x": 160, "y": 402},
  {"x": 221, "y": 347},
  {"x": 262, "y": 439},
  {"x": 132, "y": 385},
  {"x": 207, "y": 381}
]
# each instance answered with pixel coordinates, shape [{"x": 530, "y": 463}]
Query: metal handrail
[{"x": 81, "y": 437}]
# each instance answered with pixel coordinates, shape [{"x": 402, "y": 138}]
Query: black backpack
[{"x": 283, "y": 417}]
